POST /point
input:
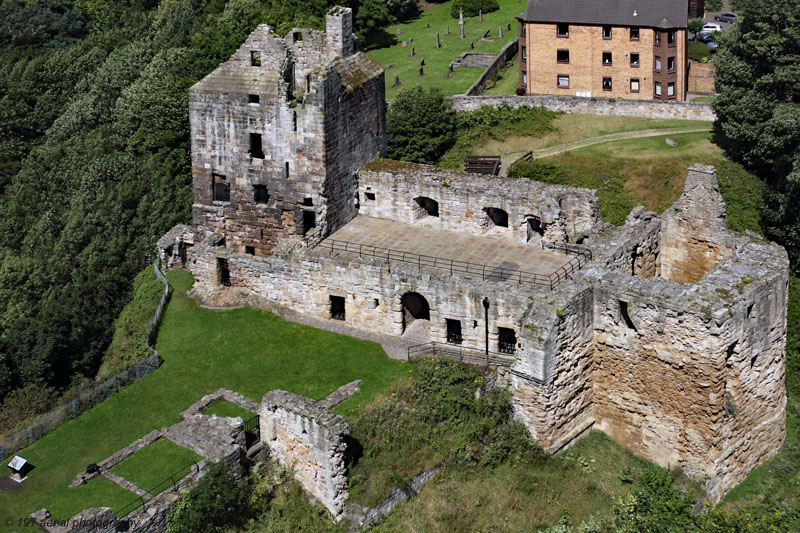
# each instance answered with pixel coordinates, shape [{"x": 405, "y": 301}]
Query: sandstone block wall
[
  {"x": 310, "y": 440},
  {"x": 390, "y": 189},
  {"x": 592, "y": 106},
  {"x": 701, "y": 77}
]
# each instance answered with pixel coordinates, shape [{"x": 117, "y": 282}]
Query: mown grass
[
  {"x": 507, "y": 79},
  {"x": 230, "y": 410},
  {"x": 245, "y": 350},
  {"x": 150, "y": 466},
  {"x": 649, "y": 172},
  {"x": 438, "y": 60}
]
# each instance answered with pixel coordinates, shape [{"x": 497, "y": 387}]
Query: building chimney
[{"x": 339, "y": 32}]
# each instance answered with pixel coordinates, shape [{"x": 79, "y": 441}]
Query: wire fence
[
  {"x": 29, "y": 435},
  {"x": 485, "y": 272},
  {"x": 167, "y": 483}
]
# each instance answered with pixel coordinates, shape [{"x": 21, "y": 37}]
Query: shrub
[
  {"x": 655, "y": 505},
  {"x": 472, "y": 7},
  {"x": 419, "y": 126},
  {"x": 25, "y": 403},
  {"x": 537, "y": 170},
  {"x": 214, "y": 504}
]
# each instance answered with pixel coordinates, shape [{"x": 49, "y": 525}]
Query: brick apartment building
[{"x": 635, "y": 49}]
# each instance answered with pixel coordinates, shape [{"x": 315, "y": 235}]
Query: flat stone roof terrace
[{"x": 439, "y": 246}]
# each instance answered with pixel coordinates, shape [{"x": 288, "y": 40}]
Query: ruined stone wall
[
  {"x": 694, "y": 229},
  {"x": 372, "y": 290},
  {"x": 389, "y": 189},
  {"x": 309, "y": 439},
  {"x": 556, "y": 405},
  {"x": 592, "y": 106}
]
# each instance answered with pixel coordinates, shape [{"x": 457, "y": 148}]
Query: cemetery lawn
[
  {"x": 437, "y": 61},
  {"x": 245, "y": 350}
]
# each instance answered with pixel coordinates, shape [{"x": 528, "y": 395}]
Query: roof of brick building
[{"x": 647, "y": 13}]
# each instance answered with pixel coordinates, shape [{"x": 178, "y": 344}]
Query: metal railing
[
  {"x": 463, "y": 268},
  {"x": 168, "y": 483},
  {"x": 252, "y": 431},
  {"x": 469, "y": 356}
]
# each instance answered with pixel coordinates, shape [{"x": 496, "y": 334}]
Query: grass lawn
[
  {"x": 507, "y": 79},
  {"x": 438, "y": 60},
  {"x": 245, "y": 350},
  {"x": 148, "y": 467},
  {"x": 702, "y": 100},
  {"x": 230, "y": 410}
]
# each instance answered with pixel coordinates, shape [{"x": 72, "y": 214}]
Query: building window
[
  {"x": 671, "y": 37},
  {"x": 606, "y": 32},
  {"x": 524, "y": 26},
  {"x": 635, "y": 60},
  {"x": 253, "y": 99},
  {"x": 256, "y": 150},
  {"x": 658, "y": 89},
  {"x": 261, "y": 194},
  {"x": 658, "y": 63},
  {"x": 634, "y": 34},
  {"x": 309, "y": 220},
  {"x": 524, "y": 55},
  {"x": 634, "y": 85},
  {"x": 606, "y": 84},
  {"x": 657, "y": 35},
  {"x": 337, "y": 307},
  {"x": 562, "y": 56},
  {"x": 563, "y": 81},
  {"x": 671, "y": 89},
  {"x": 221, "y": 188},
  {"x": 369, "y": 196},
  {"x": 625, "y": 315},
  {"x": 255, "y": 58},
  {"x": 606, "y": 58},
  {"x": 670, "y": 64},
  {"x": 223, "y": 273},
  {"x": 524, "y": 78},
  {"x": 506, "y": 340},
  {"x": 453, "y": 331},
  {"x": 562, "y": 30},
  {"x": 286, "y": 170},
  {"x": 250, "y": 250},
  {"x": 498, "y": 216}
]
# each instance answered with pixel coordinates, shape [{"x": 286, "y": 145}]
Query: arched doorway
[
  {"x": 415, "y": 308},
  {"x": 427, "y": 206},
  {"x": 498, "y": 216}
]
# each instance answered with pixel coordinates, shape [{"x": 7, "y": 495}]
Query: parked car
[
  {"x": 712, "y": 44},
  {"x": 725, "y": 17},
  {"x": 711, "y": 26},
  {"x": 704, "y": 37}
]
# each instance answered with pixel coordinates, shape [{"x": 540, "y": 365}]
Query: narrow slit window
[
  {"x": 286, "y": 170},
  {"x": 625, "y": 315},
  {"x": 294, "y": 120},
  {"x": 255, "y": 58}
]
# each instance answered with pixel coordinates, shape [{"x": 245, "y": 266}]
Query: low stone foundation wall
[
  {"x": 591, "y": 106},
  {"x": 307, "y": 437}
]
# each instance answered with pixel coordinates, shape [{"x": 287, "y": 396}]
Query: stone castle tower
[{"x": 278, "y": 132}]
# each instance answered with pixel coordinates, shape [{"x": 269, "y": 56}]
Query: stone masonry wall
[
  {"x": 496, "y": 65},
  {"x": 592, "y": 106},
  {"x": 310, "y": 440},
  {"x": 701, "y": 77},
  {"x": 389, "y": 189}
]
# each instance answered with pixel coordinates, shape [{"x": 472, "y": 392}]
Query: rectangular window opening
[
  {"x": 223, "y": 274},
  {"x": 221, "y": 189},
  {"x": 506, "y": 341},
  {"x": 524, "y": 55},
  {"x": 635, "y": 85},
  {"x": 606, "y": 59},
  {"x": 524, "y": 78},
  {"x": 634, "y": 60},
  {"x": 250, "y": 250},
  {"x": 562, "y": 56},
  {"x": 253, "y": 99},
  {"x": 671, "y": 89},
  {"x": 286, "y": 170},
  {"x": 670, "y": 64},
  {"x": 657, "y": 89},
  {"x": 337, "y": 307},
  {"x": 261, "y": 194},
  {"x": 255, "y": 58},
  {"x": 634, "y": 34},
  {"x": 453, "y": 331},
  {"x": 671, "y": 37},
  {"x": 370, "y": 196},
  {"x": 562, "y": 30},
  {"x": 606, "y": 84},
  {"x": 563, "y": 81},
  {"x": 658, "y": 63},
  {"x": 657, "y": 35},
  {"x": 256, "y": 150},
  {"x": 606, "y": 32},
  {"x": 309, "y": 220}
]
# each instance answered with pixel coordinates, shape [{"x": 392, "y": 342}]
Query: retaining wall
[
  {"x": 505, "y": 55},
  {"x": 591, "y": 106}
]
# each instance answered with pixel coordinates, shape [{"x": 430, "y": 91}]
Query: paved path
[{"x": 583, "y": 143}]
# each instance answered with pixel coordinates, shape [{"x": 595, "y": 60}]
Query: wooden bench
[{"x": 482, "y": 164}]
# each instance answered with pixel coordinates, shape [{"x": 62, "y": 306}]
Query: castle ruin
[{"x": 667, "y": 333}]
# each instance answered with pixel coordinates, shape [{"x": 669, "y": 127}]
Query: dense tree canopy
[
  {"x": 758, "y": 107},
  {"x": 419, "y": 126}
]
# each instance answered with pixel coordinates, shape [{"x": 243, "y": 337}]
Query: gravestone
[
  {"x": 438, "y": 44},
  {"x": 396, "y": 82},
  {"x": 413, "y": 52},
  {"x": 422, "y": 62},
  {"x": 462, "y": 32},
  {"x": 472, "y": 45},
  {"x": 421, "y": 71},
  {"x": 500, "y": 32},
  {"x": 480, "y": 14}
]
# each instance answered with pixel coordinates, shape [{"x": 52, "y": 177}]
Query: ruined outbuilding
[{"x": 667, "y": 333}]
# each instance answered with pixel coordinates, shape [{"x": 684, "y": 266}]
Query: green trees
[
  {"x": 758, "y": 110},
  {"x": 216, "y": 503},
  {"x": 472, "y": 7},
  {"x": 419, "y": 126}
]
